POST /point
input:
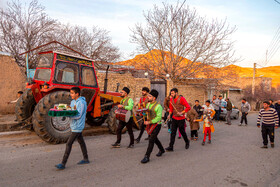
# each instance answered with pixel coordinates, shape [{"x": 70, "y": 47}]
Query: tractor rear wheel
[
  {"x": 25, "y": 106},
  {"x": 95, "y": 121},
  {"x": 53, "y": 130}
]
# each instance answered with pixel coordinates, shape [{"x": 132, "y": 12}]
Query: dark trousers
[
  {"x": 175, "y": 125},
  {"x": 217, "y": 114},
  {"x": 128, "y": 125},
  {"x": 70, "y": 141},
  {"x": 194, "y": 133},
  {"x": 153, "y": 139},
  {"x": 244, "y": 117},
  {"x": 142, "y": 129},
  {"x": 267, "y": 131}
]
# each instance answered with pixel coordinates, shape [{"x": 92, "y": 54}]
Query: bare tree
[
  {"x": 22, "y": 27},
  {"x": 261, "y": 94},
  {"x": 96, "y": 44},
  {"x": 173, "y": 34}
]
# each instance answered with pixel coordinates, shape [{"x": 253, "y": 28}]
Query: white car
[{"x": 234, "y": 114}]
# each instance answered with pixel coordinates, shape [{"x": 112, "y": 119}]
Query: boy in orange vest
[{"x": 208, "y": 126}]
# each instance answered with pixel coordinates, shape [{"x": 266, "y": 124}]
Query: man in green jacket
[
  {"x": 127, "y": 104},
  {"x": 153, "y": 125},
  {"x": 229, "y": 111}
]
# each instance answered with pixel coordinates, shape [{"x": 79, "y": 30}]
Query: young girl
[{"x": 207, "y": 124}]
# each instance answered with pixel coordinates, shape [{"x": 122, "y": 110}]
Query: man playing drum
[
  {"x": 153, "y": 125},
  {"x": 127, "y": 104},
  {"x": 142, "y": 104}
]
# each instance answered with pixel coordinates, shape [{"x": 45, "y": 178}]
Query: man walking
[
  {"x": 127, "y": 104},
  {"x": 142, "y": 104},
  {"x": 216, "y": 103},
  {"x": 229, "y": 111},
  {"x": 77, "y": 125},
  {"x": 245, "y": 109},
  {"x": 270, "y": 121},
  {"x": 277, "y": 108},
  {"x": 178, "y": 106},
  {"x": 153, "y": 124}
]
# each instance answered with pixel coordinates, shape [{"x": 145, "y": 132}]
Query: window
[
  {"x": 66, "y": 73},
  {"x": 46, "y": 60},
  {"x": 42, "y": 74},
  {"x": 88, "y": 77}
]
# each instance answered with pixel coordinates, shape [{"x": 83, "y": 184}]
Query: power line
[
  {"x": 277, "y": 1},
  {"x": 270, "y": 50}
]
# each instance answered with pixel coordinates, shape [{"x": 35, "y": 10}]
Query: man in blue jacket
[{"x": 77, "y": 125}]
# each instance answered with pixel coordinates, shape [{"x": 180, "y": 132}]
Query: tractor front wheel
[
  {"x": 53, "y": 130},
  {"x": 113, "y": 122},
  {"x": 25, "y": 106}
]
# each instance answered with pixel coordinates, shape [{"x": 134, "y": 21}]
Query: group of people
[{"x": 177, "y": 111}]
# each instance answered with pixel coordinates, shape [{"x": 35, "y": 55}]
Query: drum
[{"x": 123, "y": 115}]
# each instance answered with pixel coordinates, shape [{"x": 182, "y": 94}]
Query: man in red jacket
[{"x": 178, "y": 106}]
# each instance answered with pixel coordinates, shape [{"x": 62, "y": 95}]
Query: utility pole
[{"x": 253, "y": 83}]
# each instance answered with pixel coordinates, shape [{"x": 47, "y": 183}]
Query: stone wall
[
  {"x": 12, "y": 80},
  {"x": 134, "y": 84}
]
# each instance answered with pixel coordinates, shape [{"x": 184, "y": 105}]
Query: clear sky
[{"x": 256, "y": 20}]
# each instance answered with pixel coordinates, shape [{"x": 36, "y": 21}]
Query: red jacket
[{"x": 183, "y": 102}]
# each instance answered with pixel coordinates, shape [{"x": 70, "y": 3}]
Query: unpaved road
[{"x": 233, "y": 159}]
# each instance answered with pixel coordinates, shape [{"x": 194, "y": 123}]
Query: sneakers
[
  {"x": 179, "y": 137},
  {"x": 147, "y": 138},
  {"x": 264, "y": 147},
  {"x": 209, "y": 141},
  {"x": 116, "y": 145},
  {"x": 60, "y": 166},
  {"x": 83, "y": 162},
  {"x": 160, "y": 153},
  {"x": 240, "y": 124},
  {"x": 145, "y": 160},
  {"x": 195, "y": 139},
  {"x": 130, "y": 146},
  {"x": 170, "y": 149},
  {"x": 203, "y": 143},
  {"x": 272, "y": 145}
]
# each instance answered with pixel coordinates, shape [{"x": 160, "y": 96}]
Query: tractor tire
[
  {"x": 25, "y": 106},
  {"x": 53, "y": 130},
  {"x": 113, "y": 122},
  {"x": 95, "y": 121}
]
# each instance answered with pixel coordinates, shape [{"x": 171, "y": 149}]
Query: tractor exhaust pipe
[{"x": 106, "y": 80}]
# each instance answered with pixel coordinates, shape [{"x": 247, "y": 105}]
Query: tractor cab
[{"x": 60, "y": 70}]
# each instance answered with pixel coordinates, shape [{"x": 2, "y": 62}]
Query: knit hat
[
  {"x": 145, "y": 89},
  {"x": 154, "y": 93},
  {"x": 126, "y": 89}
]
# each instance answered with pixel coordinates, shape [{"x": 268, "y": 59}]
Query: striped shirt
[{"x": 268, "y": 117}]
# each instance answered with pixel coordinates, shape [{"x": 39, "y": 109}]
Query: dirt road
[{"x": 233, "y": 159}]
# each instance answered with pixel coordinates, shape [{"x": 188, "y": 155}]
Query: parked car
[{"x": 234, "y": 114}]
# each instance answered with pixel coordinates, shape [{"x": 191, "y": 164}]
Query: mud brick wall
[
  {"x": 12, "y": 80},
  {"x": 134, "y": 84}
]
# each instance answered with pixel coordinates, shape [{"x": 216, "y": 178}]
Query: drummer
[
  {"x": 127, "y": 104},
  {"x": 142, "y": 104},
  {"x": 153, "y": 124}
]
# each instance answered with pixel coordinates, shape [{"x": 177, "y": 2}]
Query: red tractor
[{"x": 56, "y": 73}]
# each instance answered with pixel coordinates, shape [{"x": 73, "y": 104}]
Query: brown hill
[{"x": 142, "y": 61}]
